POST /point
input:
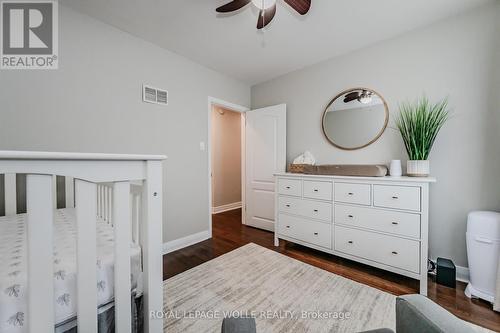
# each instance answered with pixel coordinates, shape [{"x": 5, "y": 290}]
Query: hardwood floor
[{"x": 229, "y": 234}]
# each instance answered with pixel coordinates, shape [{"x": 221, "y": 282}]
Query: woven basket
[{"x": 297, "y": 168}]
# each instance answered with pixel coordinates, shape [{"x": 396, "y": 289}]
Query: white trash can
[{"x": 483, "y": 250}]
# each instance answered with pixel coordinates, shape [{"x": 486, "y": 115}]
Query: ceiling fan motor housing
[{"x": 263, "y": 4}]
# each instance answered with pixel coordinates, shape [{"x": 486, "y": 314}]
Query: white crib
[{"x": 123, "y": 190}]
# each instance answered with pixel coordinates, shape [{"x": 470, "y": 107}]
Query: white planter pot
[{"x": 419, "y": 168}]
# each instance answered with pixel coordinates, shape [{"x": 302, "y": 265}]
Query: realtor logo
[{"x": 28, "y": 35}]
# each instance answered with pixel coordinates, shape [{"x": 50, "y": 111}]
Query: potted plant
[{"x": 419, "y": 124}]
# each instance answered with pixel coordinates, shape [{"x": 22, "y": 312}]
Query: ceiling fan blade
[
  {"x": 266, "y": 16},
  {"x": 232, "y": 6},
  {"x": 301, "y": 6},
  {"x": 348, "y": 98},
  {"x": 354, "y": 93},
  {"x": 351, "y": 96}
]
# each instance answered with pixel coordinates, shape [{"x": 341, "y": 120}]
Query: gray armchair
[
  {"x": 414, "y": 314},
  {"x": 238, "y": 325}
]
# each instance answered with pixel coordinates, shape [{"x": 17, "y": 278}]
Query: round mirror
[{"x": 355, "y": 118}]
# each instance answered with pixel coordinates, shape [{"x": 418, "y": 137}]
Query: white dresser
[{"x": 379, "y": 221}]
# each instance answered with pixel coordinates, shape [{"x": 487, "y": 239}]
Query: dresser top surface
[{"x": 404, "y": 179}]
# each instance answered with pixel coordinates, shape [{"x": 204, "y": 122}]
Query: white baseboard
[
  {"x": 183, "y": 242},
  {"x": 463, "y": 274},
  {"x": 225, "y": 208}
]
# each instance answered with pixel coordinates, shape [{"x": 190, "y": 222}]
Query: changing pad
[{"x": 359, "y": 170}]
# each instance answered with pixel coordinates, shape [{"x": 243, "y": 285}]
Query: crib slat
[
  {"x": 40, "y": 216},
  {"x": 135, "y": 201},
  {"x": 108, "y": 204},
  {"x": 86, "y": 212},
  {"x": 54, "y": 191},
  {"x": 104, "y": 202},
  {"x": 151, "y": 238},
  {"x": 123, "y": 238},
  {"x": 101, "y": 200},
  {"x": 10, "y": 194},
  {"x": 70, "y": 192}
]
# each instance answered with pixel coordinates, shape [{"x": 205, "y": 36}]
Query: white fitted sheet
[{"x": 13, "y": 268}]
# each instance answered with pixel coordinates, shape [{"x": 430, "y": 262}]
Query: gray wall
[
  {"x": 458, "y": 58},
  {"x": 226, "y": 157},
  {"x": 92, "y": 103}
]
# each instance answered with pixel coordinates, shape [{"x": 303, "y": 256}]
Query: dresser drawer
[
  {"x": 353, "y": 193},
  {"x": 399, "y": 197},
  {"x": 307, "y": 208},
  {"x": 290, "y": 186},
  {"x": 312, "y": 232},
  {"x": 398, "y": 223},
  {"x": 318, "y": 190},
  {"x": 388, "y": 250}
]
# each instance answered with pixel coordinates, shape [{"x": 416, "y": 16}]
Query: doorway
[
  {"x": 262, "y": 139},
  {"x": 226, "y": 150},
  {"x": 226, "y": 159}
]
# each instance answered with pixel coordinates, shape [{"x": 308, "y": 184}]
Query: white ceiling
[{"x": 232, "y": 45}]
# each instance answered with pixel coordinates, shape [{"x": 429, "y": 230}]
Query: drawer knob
[
  {"x": 316, "y": 190},
  {"x": 315, "y": 234},
  {"x": 350, "y": 216},
  {"x": 395, "y": 197},
  {"x": 350, "y": 193},
  {"x": 288, "y": 205},
  {"x": 287, "y": 187},
  {"x": 288, "y": 226},
  {"x": 350, "y": 242},
  {"x": 395, "y": 223},
  {"x": 315, "y": 210},
  {"x": 394, "y": 252}
]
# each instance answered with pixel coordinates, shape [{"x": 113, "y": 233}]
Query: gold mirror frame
[{"x": 376, "y": 137}]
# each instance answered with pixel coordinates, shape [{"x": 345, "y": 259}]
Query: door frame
[{"x": 236, "y": 108}]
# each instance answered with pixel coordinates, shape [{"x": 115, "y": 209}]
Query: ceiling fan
[
  {"x": 363, "y": 96},
  {"x": 267, "y": 8}
]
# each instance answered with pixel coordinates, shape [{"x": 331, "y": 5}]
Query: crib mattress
[{"x": 13, "y": 268}]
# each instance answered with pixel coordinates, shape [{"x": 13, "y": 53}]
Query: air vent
[
  {"x": 162, "y": 97},
  {"x": 154, "y": 95}
]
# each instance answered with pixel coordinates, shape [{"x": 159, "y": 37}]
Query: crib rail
[{"x": 123, "y": 190}]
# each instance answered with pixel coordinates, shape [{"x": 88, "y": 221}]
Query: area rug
[{"x": 283, "y": 294}]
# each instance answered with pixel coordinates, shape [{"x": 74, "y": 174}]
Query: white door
[{"x": 265, "y": 154}]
